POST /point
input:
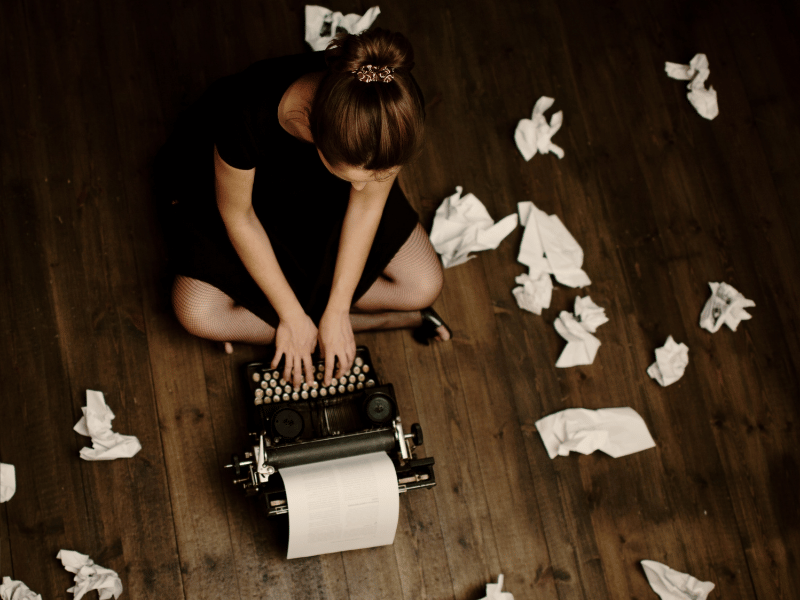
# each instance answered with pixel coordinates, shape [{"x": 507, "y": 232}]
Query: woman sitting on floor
[{"x": 298, "y": 233}]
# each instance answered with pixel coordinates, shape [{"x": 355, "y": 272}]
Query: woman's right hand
[{"x": 295, "y": 340}]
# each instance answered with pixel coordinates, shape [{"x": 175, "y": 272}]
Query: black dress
[{"x": 299, "y": 202}]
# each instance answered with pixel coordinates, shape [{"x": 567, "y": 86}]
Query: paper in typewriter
[{"x": 341, "y": 504}]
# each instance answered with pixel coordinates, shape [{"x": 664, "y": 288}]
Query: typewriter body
[{"x": 356, "y": 414}]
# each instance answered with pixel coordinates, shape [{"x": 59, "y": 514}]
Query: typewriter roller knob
[{"x": 416, "y": 434}]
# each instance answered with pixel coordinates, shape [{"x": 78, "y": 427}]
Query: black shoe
[{"x": 431, "y": 321}]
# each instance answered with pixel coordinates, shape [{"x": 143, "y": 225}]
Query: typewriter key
[
  {"x": 287, "y": 388},
  {"x": 321, "y": 367},
  {"x": 365, "y": 368},
  {"x": 359, "y": 361},
  {"x": 341, "y": 389},
  {"x": 352, "y": 379},
  {"x": 258, "y": 400},
  {"x": 359, "y": 386},
  {"x": 264, "y": 384},
  {"x": 356, "y": 370},
  {"x": 334, "y": 382},
  {"x": 320, "y": 375},
  {"x": 314, "y": 385},
  {"x": 304, "y": 395},
  {"x": 256, "y": 376},
  {"x": 323, "y": 392},
  {"x": 332, "y": 390},
  {"x": 272, "y": 383},
  {"x": 282, "y": 381},
  {"x": 370, "y": 382},
  {"x": 304, "y": 386},
  {"x": 350, "y": 387},
  {"x": 286, "y": 397},
  {"x": 267, "y": 400},
  {"x": 361, "y": 377},
  {"x": 259, "y": 392},
  {"x": 314, "y": 393},
  {"x": 269, "y": 392},
  {"x": 295, "y": 396}
]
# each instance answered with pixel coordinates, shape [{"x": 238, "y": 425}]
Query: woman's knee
[{"x": 196, "y": 304}]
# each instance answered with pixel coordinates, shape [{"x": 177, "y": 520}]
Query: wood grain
[{"x": 661, "y": 200}]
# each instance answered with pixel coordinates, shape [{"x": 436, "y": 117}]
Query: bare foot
[{"x": 228, "y": 348}]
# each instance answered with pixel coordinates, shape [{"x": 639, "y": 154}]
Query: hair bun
[{"x": 378, "y": 48}]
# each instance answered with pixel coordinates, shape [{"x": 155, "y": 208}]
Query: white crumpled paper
[
  {"x": 8, "y": 482},
  {"x": 670, "y": 584},
  {"x": 323, "y": 24},
  {"x": 494, "y": 591},
  {"x": 577, "y": 329},
  {"x": 89, "y": 576},
  {"x": 547, "y": 246},
  {"x": 96, "y": 423},
  {"x": 671, "y": 361},
  {"x": 696, "y": 72},
  {"x": 11, "y": 589},
  {"x": 462, "y": 225},
  {"x": 726, "y": 305},
  {"x": 533, "y": 294},
  {"x": 588, "y": 314},
  {"x": 534, "y": 134},
  {"x": 616, "y": 431}
]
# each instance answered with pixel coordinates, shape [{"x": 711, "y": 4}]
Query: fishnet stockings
[{"x": 411, "y": 281}]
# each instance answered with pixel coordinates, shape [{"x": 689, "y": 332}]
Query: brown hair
[{"x": 374, "y": 126}]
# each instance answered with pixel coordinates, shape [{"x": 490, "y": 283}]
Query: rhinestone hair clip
[{"x": 370, "y": 73}]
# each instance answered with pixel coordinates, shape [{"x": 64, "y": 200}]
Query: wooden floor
[{"x": 662, "y": 201}]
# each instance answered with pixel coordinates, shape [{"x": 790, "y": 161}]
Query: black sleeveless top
[{"x": 299, "y": 202}]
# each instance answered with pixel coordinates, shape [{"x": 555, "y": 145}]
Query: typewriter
[{"x": 356, "y": 414}]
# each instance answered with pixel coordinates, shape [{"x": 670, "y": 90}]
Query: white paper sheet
[
  {"x": 671, "y": 361},
  {"x": 534, "y": 134},
  {"x": 533, "y": 294},
  {"x": 323, "y": 24},
  {"x": 670, "y": 584},
  {"x": 494, "y": 591},
  {"x": 462, "y": 225},
  {"x": 342, "y": 504},
  {"x": 11, "y": 589},
  {"x": 696, "y": 72},
  {"x": 90, "y": 576},
  {"x": 547, "y": 246},
  {"x": 581, "y": 347},
  {"x": 8, "y": 482},
  {"x": 616, "y": 431},
  {"x": 96, "y": 423},
  {"x": 589, "y": 314},
  {"x": 726, "y": 305}
]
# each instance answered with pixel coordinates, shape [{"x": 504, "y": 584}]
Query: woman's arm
[
  {"x": 296, "y": 336},
  {"x": 361, "y": 221}
]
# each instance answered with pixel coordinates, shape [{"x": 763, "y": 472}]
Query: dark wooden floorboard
[{"x": 661, "y": 200}]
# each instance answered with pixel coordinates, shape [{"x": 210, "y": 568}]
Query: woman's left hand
[{"x": 336, "y": 341}]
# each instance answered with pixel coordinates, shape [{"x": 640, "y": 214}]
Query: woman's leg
[
  {"x": 208, "y": 312},
  {"x": 411, "y": 282}
]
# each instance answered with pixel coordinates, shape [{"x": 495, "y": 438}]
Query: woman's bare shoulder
[{"x": 295, "y": 106}]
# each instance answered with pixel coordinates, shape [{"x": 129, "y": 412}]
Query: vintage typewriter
[{"x": 356, "y": 414}]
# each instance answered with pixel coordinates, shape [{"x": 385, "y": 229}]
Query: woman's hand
[
  {"x": 295, "y": 340},
  {"x": 336, "y": 340}
]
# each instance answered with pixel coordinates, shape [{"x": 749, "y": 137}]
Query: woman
[{"x": 303, "y": 235}]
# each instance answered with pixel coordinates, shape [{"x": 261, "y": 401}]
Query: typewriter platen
[{"x": 356, "y": 414}]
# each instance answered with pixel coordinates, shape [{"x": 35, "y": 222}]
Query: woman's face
[{"x": 356, "y": 176}]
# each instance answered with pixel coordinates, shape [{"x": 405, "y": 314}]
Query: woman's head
[{"x": 368, "y": 111}]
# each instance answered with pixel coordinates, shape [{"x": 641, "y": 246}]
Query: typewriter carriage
[{"x": 301, "y": 430}]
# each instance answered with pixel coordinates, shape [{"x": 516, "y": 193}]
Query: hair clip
[{"x": 370, "y": 73}]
